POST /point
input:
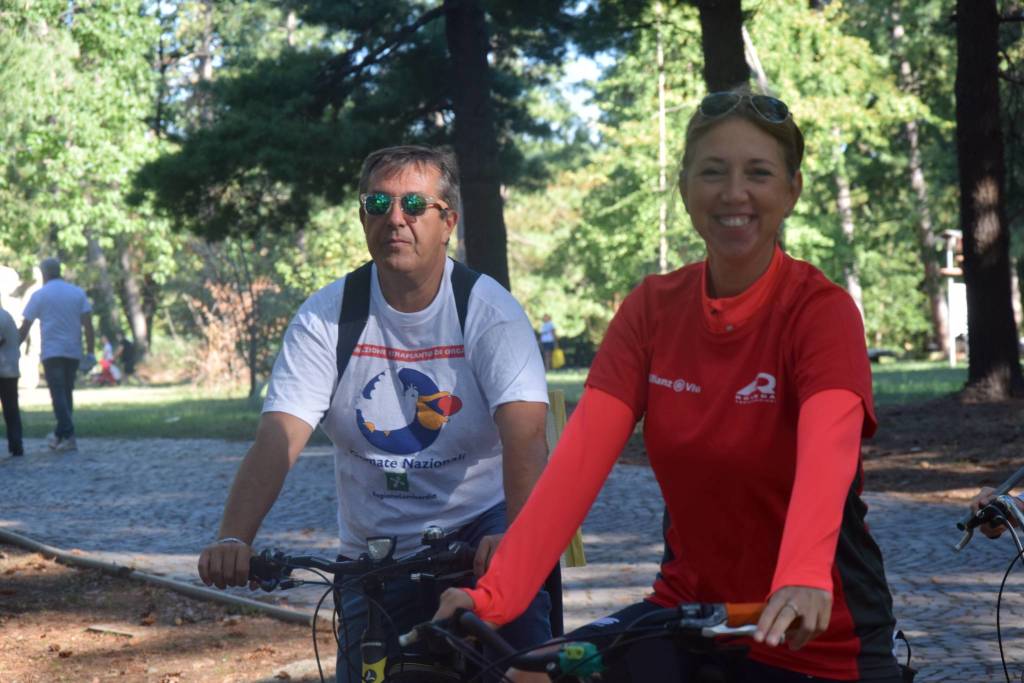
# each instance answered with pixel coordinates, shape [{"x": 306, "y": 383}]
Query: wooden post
[{"x": 573, "y": 555}]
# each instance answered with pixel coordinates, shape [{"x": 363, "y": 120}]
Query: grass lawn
[
  {"x": 174, "y": 412},
  {"x": 183, "y": 411},
  {"x": 904, "y": 382}
]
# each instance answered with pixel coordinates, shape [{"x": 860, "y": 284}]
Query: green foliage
[
  {"x": 283, "y": 128},
  {"x": 843, "y": 91},
  {"x": 77, "y": 92},
  {"x": 615, "y": 241}
]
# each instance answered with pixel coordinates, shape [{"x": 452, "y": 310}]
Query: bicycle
[
  {"x": 1001, "y": 510},
  {"x": 440, "y": 564},
  {"x": 696, "y": 627}
]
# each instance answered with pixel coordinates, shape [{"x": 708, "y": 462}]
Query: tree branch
[{"x": 328, "y": 87}]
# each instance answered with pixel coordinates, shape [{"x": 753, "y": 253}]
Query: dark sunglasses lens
[
  {"x": 414, "y": 204},
  {"x": 719, "y": 104},
  {"x": 377, "y": 203},
  {"x": 770, "y": 108}
]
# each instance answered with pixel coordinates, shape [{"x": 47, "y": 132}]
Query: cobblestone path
[{"x": 154, "y": 503}]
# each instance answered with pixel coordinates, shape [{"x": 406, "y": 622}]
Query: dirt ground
[
  {"x": 64, "y": 624},
  {"x": 943, "y": 449}
]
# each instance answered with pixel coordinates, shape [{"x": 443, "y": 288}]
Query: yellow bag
[{"x": 557, "y": 358}]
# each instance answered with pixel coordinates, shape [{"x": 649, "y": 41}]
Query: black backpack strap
[
  {"x": 355, "y": 311},
  {"x": 463, "y": 280}
]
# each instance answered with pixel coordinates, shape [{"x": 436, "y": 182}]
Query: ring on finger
[{"x": 790, "y": 604}]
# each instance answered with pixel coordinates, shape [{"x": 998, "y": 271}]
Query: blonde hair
[{"x": 787, "y": 133}]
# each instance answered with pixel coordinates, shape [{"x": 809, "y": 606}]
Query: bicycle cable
[
  {"x": 504, "y": 662},
  {"x": 999, "y": 597},
  {"x": 470, "y": 653}
]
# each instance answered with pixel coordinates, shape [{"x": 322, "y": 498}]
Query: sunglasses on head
[
  {"x": 412, "y": 203},
  {"x": 718, "y": 104}
]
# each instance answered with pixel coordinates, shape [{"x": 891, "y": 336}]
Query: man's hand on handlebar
[
  {"x": 797, "y": 612},
  {"x": 484, "y": 551},
  {"x": 984, "y": 497},
  {"x": 225, "y": 564}
]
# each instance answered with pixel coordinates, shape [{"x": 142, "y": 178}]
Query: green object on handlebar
[{"x": 580, "y": 659}]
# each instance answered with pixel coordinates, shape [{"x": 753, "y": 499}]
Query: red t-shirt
[{"x": 720, "y": 415}]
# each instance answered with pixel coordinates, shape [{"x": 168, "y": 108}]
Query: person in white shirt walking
[{"x": 64, "y": 313}]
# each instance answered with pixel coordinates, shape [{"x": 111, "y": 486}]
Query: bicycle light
[{"x": 380, "y": 547}]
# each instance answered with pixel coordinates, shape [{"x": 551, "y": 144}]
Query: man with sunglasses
[{"x": 436, "y": 403}]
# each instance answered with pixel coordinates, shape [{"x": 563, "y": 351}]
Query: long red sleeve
[
  {"x": 590, "y": 444},
  {"x": 828, "y": 450}
]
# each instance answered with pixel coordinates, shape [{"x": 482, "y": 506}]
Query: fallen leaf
[
  {"x": 283, "y": 675},
  {"x": 64, "y": 653},
  {"x": 148, "y": 619}
]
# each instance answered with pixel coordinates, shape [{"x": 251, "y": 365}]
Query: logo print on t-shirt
[
  {"x": 431, "y": 410},
  {"x": 761, "y": 390}
]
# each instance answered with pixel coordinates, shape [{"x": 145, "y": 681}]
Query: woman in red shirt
[{"x": 750, "y": 372}]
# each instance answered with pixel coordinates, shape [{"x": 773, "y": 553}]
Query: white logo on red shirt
[
  {"x": 761, "y": 390},
  {"x": 677, "y": 386}
]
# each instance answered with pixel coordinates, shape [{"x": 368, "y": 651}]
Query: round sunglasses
[
  {"x": 412, "y": 203},
  {"x": 719, "y": 104}
]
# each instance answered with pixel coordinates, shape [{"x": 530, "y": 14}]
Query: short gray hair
[
  {"x": 391, "y": 160},
  {"x": 50, "y": 268}
]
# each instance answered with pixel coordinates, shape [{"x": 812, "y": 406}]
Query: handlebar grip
[
  {"x": 743, "y": 613},
  {"x": 964, "y": 523},
  {"x": 269, "y": 569},
  {"x": 475, "y": 626}
]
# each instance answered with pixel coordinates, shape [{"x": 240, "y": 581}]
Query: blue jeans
[
  {"x": 407, "y": 606},
  {"x": 60, "y": 378}
]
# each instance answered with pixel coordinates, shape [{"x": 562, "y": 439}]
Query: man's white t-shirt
[
  {"x": 412, "y": 418},
  {"x": 59, "y": 306}
]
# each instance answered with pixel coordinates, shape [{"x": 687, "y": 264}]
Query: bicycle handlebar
[
  {"x": 272, "y": 568},
  {"x": 971, "y": 519},
  {"x": 696, "y": 620}
]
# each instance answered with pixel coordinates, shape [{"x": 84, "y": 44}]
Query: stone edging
[{"x": 122, "y": 571}]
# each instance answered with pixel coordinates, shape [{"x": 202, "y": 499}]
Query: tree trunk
[
  {"x": 994, "y": 371},
  {"x": 721, "y": 41},
  {"x": 476, "y": 140},
  {"x": 845, "y": 207},
  {"x": 925, "y": 233},
  {"x": 103, "y": 296},
  {"x": 1016, "y": 267},
  {"x": 662, "y": 148},
  {"x": 131, "y": 293}
]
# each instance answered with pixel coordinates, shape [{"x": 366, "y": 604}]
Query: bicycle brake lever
[{"x": 268, "y": 585}]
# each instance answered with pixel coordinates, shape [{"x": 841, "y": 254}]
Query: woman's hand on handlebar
[
  {"x": 797, "y": 612},
  {"x": 225, "y": 564},
  {"x": 451, "y": 600}
]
